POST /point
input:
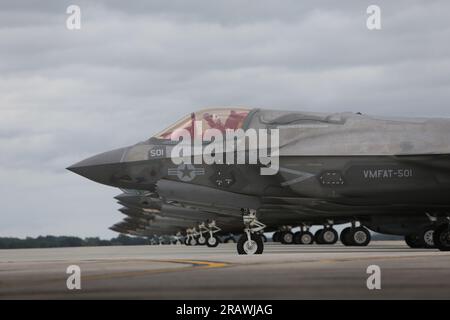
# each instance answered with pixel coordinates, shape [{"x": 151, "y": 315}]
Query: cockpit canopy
[{"x": 216, "y": 118}]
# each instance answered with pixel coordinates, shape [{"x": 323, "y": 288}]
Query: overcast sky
[{"x": 134, "y": 68}]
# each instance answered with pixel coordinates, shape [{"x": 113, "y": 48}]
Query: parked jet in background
[{"x": 388, "y": 175}]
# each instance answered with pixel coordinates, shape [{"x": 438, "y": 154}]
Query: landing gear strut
[{"x": 251, "y": 241}]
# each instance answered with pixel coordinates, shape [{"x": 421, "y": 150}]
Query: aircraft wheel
[
  {"x": 344, "y": 237},
  {"x": 426, "y": 237},
  {"x": 329, "y": 236},
  {"x": 359, "y": 236},
  {"x": 297, "y": 237},
  {"x": 287, "y": 237},
  {"x": 193, "y": 242},
  {"x": 318, "y": 236},
  {"x": 254, "y": 246},
  {"x": 212, "y": 242},
  {"x": 201, "y": 241},
  {"x": 441, "y": 237},
  {"x": 303, "y": 237},
  {"x": 413, "y": 241},
  {"x": 276, "y": 236},
  {"x": 186, "y": 242}
]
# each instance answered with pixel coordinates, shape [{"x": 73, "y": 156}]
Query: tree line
[{"x": 68, "y": 241}]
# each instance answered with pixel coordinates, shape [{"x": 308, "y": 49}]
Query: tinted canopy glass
[{"x": 219, "y": 118}]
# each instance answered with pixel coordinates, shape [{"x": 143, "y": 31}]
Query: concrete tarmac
[{"x": 180, "y": 272}]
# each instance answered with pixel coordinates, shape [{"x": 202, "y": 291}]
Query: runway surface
[{"x": 180, "y": 272}]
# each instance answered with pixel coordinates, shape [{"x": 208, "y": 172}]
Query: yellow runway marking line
[{"x": 193, "y": 265}]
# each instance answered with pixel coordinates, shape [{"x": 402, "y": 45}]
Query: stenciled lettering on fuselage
[
  {"x": 386, "y": 174},
  {"x": 399, "y": 173},
  {"x": 157, "y": 152}
]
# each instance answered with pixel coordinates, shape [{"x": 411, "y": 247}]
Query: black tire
[
  {"x": 427, "y": 237},
  {"x": 276, "y": 236},
  {"x": 359, "y": 237},
  {"x": 344, "y": 236},
  {"x": 441, "y": 237},
  {"x": 329, "y": 236},
  {"x": 242, "y": 249},
  {"x": 186, "y": 242},
  {"x": 413, "y": 241},
  {"x": 212, "y": 242},
  {"x": 297, "y": 239},
  {"x": 318, "y": 236},
  {"x": 287, "y": 237}
]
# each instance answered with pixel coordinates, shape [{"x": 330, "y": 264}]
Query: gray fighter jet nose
[{"x": 100, "y": 168}]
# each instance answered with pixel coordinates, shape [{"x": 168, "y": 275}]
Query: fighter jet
[{"x": 290, "y": 168}]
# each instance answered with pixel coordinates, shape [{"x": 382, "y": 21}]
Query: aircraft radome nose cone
[{"x": 101, "y": 167}]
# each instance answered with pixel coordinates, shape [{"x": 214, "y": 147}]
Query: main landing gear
[
  {"x": 425, "y": 237},
  {"x": 212, "y": 240},
  {"x": 304, "y": 236},
  {"x": 355, "y": 236},
  {"x": 326, "y": 235},
  {"x": 251, "y": 241},
  {"x": 441, "y": 237},
  {"x": 431, "y": 237},
  {"x": 284, "y": 235},
  {"x": 287, "y": 236}
]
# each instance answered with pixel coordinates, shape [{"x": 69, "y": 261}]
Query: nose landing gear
[
  {"x": 202, "y": 229},
  {"x": 191, "y": 237},
  {"x": 212, "y": 240},
  {"x": 251, "y": 241}
]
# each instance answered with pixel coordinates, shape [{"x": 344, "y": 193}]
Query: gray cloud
[{"x": 135, "y": 67}]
